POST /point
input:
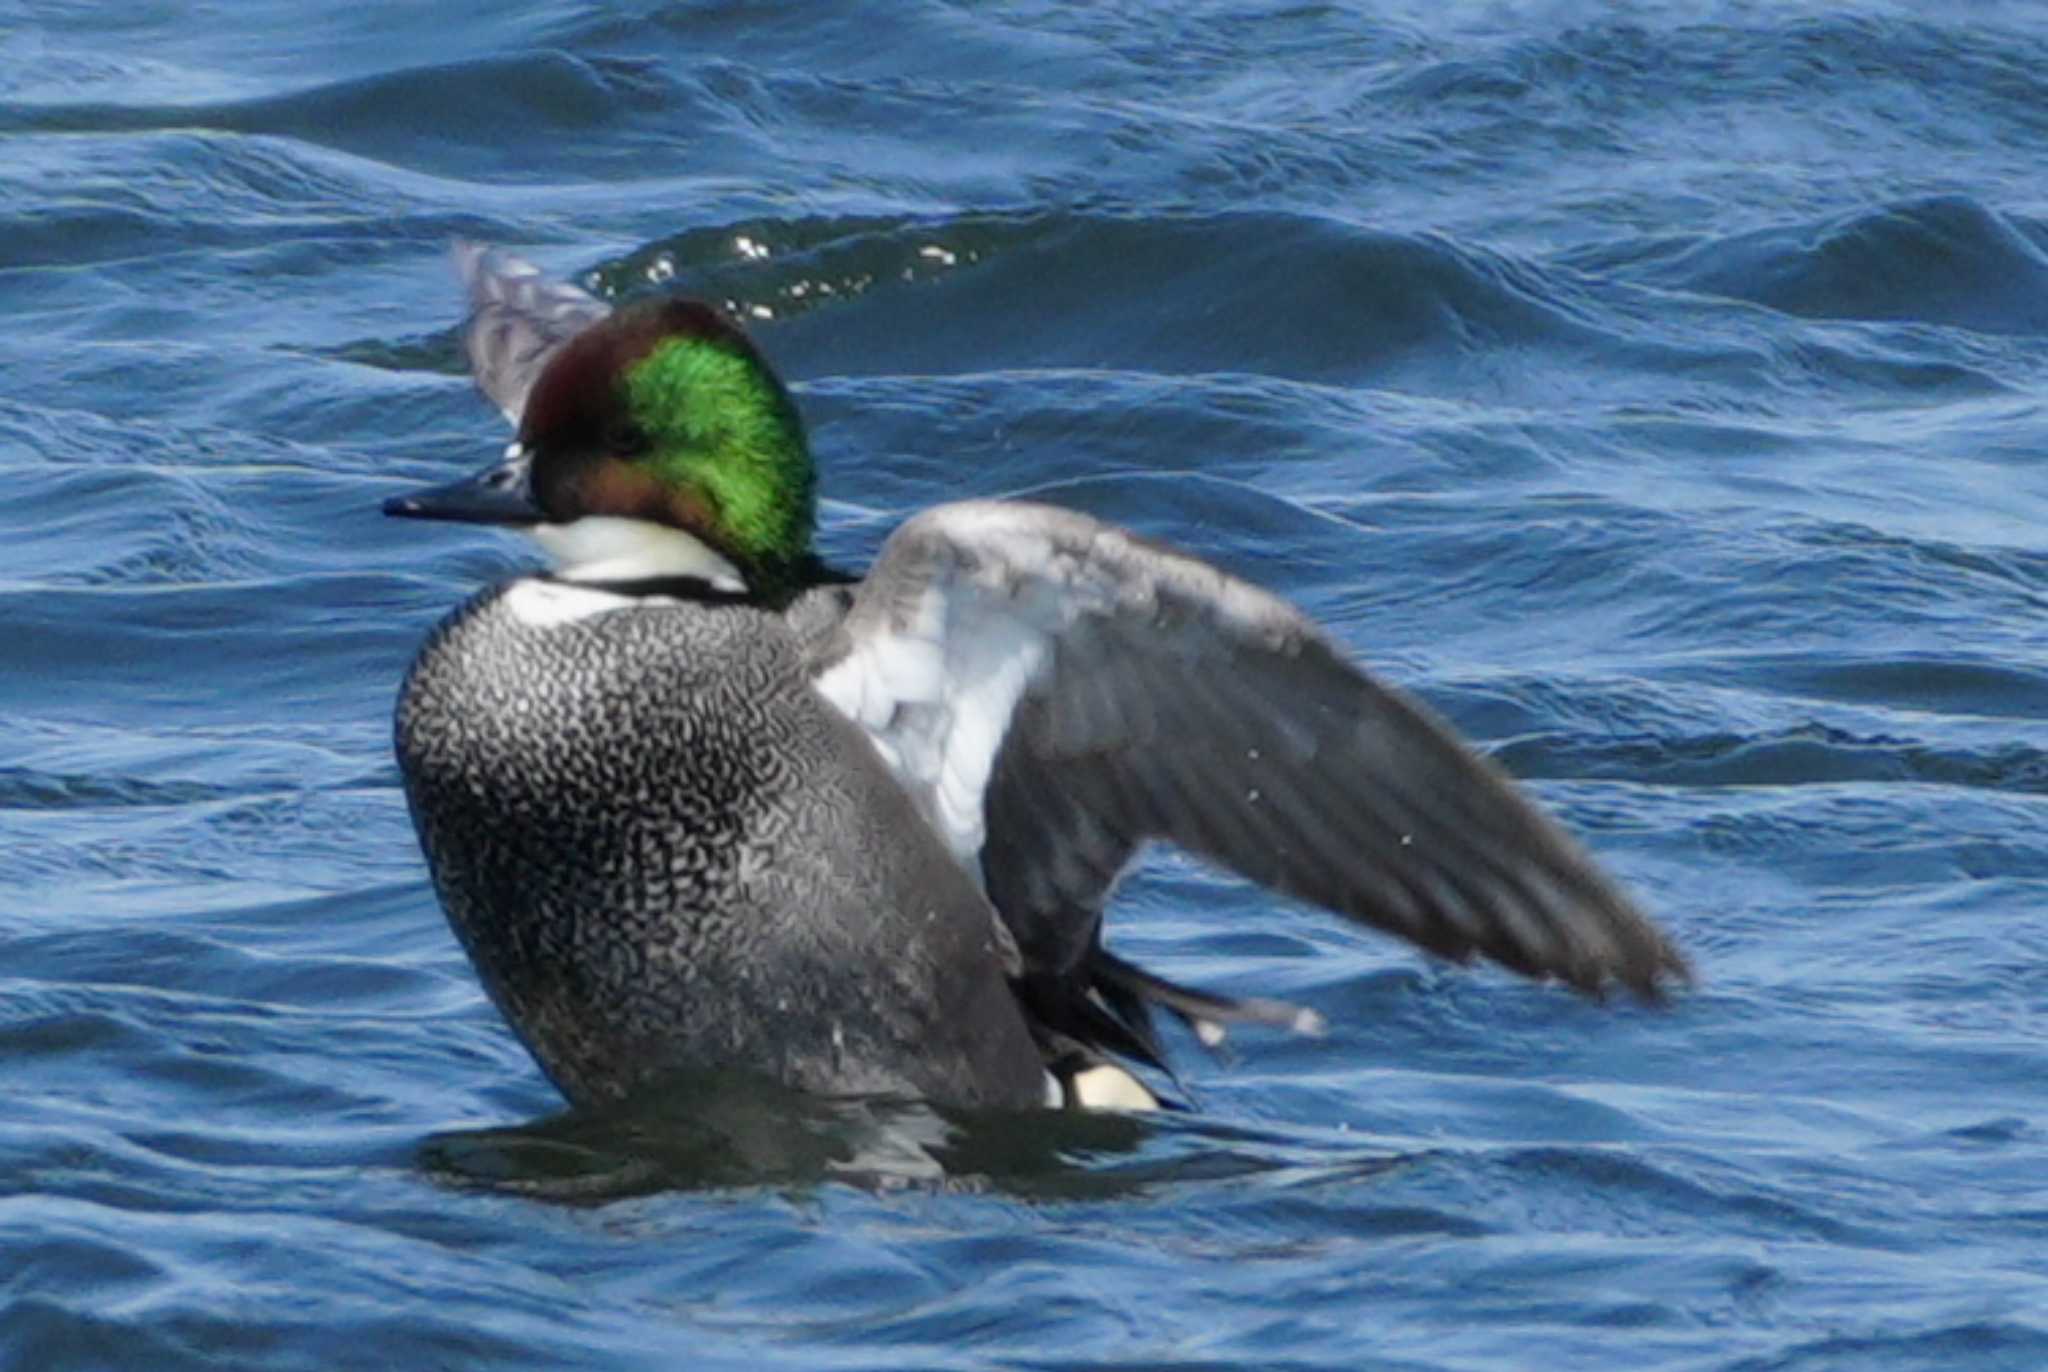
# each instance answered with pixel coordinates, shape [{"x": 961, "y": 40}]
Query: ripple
[
  {"x": 1945, "y": 260},
  {"x": 1992, "y": 689},
  {"x": 1657, "y": 393},
  {"x": 1974, "y": 1343},
  {"x": 1804, "y": 755},
  {"x": 403, "y": 114}
]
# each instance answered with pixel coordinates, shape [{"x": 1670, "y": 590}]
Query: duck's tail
[{"x": 1084, "y": 1022}]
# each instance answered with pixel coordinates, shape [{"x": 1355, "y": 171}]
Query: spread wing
[
  {"x": 517, "y": 319},
  {"x": 1056, "y": 692}
]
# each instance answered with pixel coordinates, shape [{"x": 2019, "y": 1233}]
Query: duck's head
[{"x": 657, "y": 443}]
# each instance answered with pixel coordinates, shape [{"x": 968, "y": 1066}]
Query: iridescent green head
[{"x": 659, "y": 420}]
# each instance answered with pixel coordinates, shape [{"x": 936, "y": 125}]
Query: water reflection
[{"x": 730, "y": 1131}]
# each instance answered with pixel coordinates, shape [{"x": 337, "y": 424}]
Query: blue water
[{"x": 1657, "y": 390}]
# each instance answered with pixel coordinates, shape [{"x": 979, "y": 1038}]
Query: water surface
[{"x": 1655, "y": 389}]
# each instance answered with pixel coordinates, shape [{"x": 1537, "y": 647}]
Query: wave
[{"x": 1948, "y": 260}]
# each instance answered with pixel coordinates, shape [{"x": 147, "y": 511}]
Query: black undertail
[{"x": 1106, "y": 1007}]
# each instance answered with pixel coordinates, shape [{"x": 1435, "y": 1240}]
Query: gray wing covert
[
  {"x": 1058, "y": 692},
  {"x": 518, "y": 317}
]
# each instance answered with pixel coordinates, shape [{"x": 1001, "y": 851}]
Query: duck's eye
[{"x": 626, "y": 440}]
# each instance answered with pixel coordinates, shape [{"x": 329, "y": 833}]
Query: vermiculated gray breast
[{"x": 665, "y": 854}]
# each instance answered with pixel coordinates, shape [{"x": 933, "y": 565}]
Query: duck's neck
[{"x": 608, "y": 548}]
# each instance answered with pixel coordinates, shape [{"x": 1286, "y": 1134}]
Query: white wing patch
[
  {"x": 936, "y": 695},
  {"x": 1149, "y": 676},
  {"x": 967, "y": 608}
]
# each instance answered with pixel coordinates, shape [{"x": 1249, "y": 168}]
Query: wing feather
[
  {"x": 518, "y": 318},
  {"x": 1058, "y": 692}
]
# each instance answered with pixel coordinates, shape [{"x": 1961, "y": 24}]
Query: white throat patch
[{"x": 609, "y": 548}]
